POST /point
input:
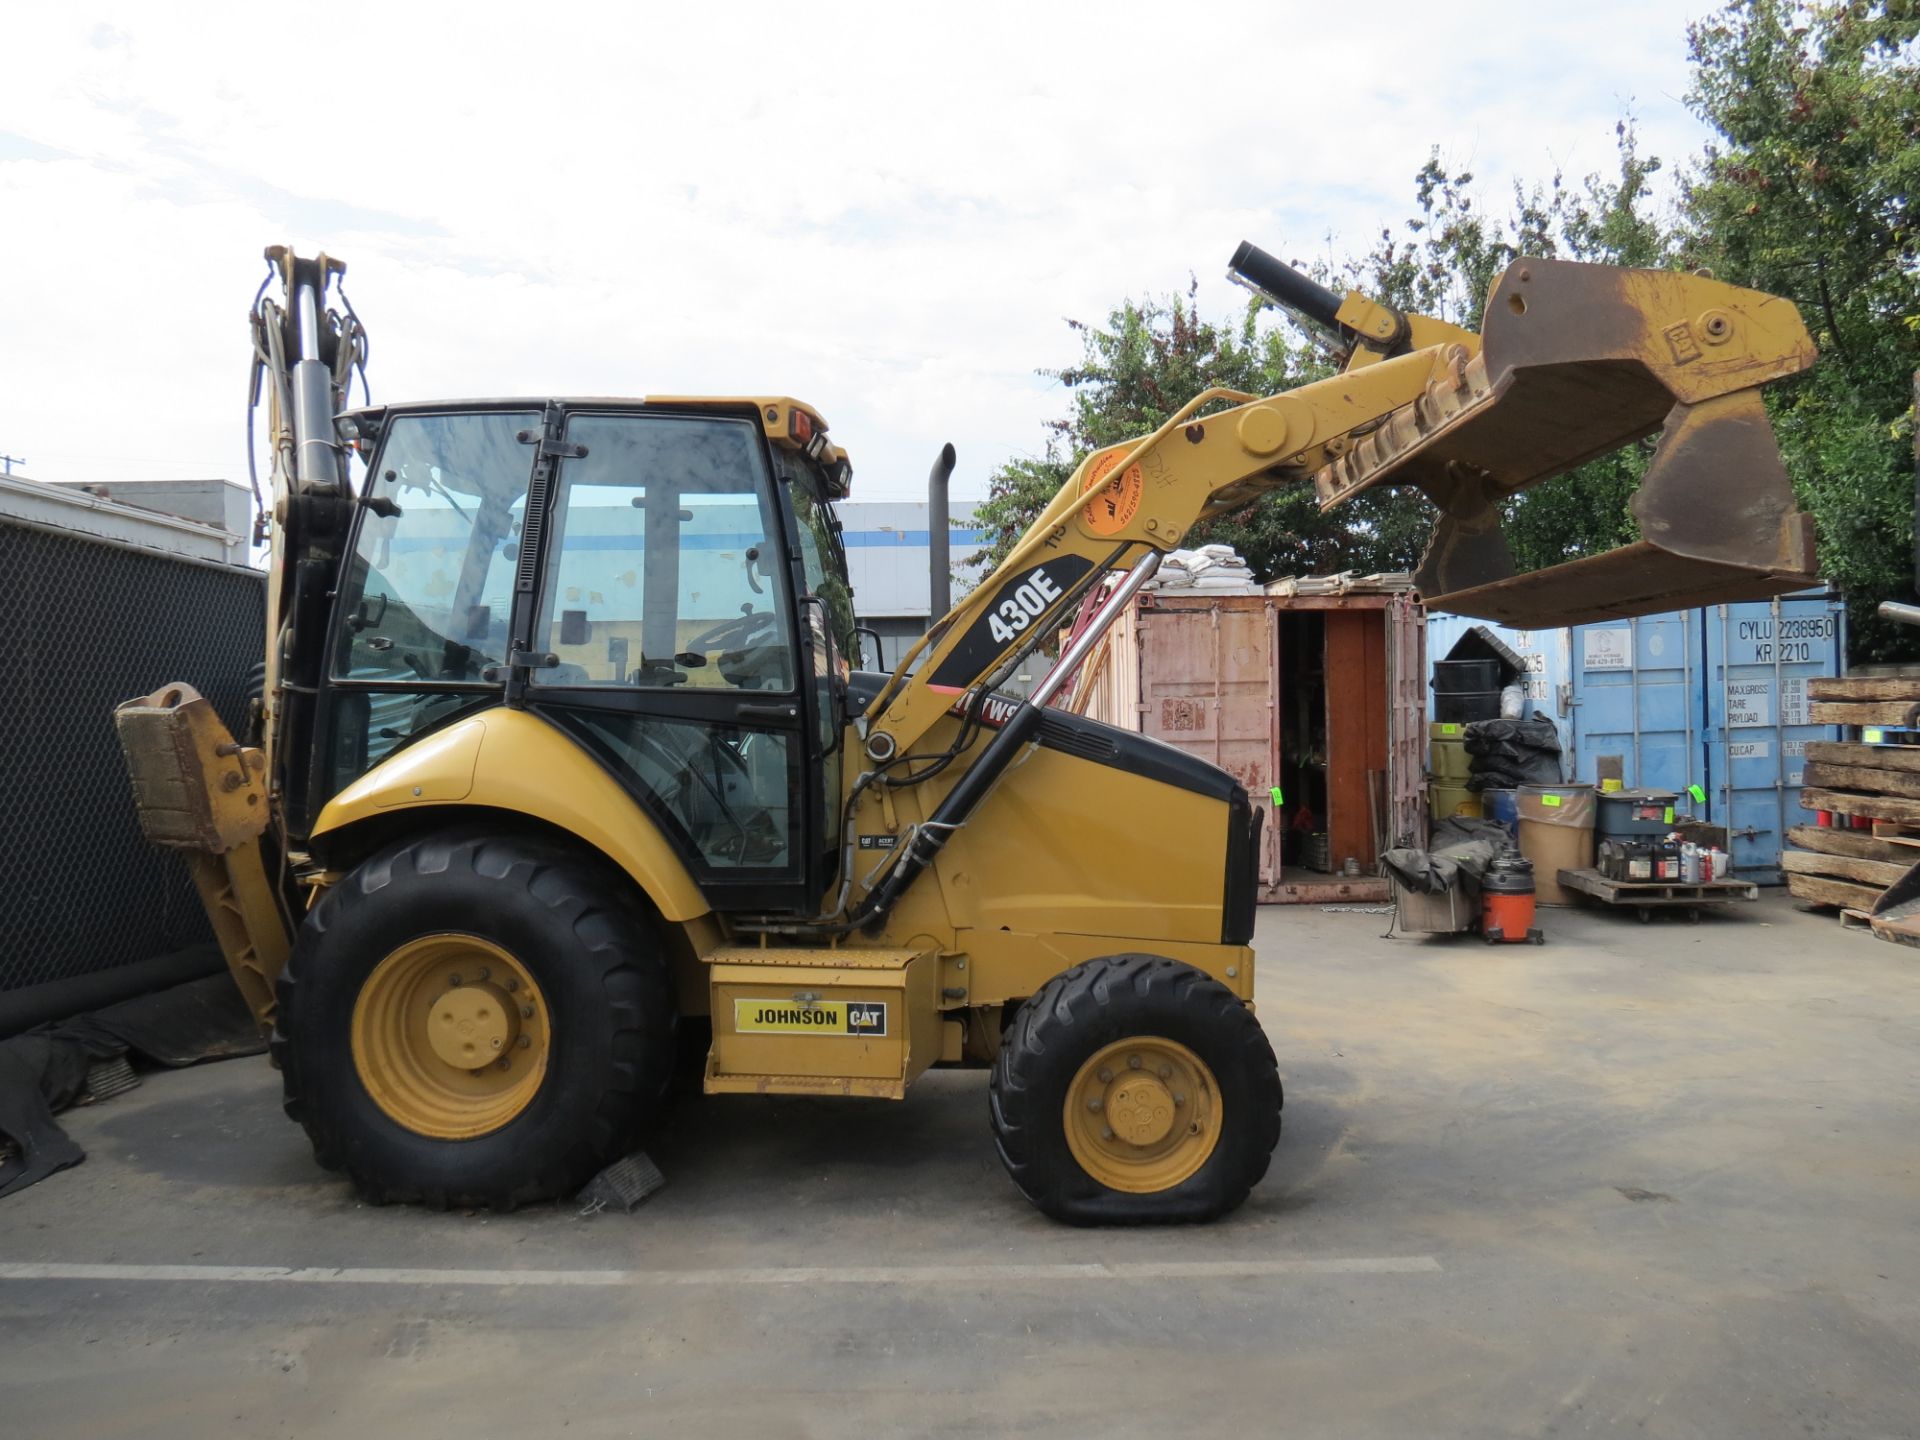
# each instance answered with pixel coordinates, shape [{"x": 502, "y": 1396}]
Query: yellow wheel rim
[
  {"x": 1142, "y": 1114},
  {"x": 451, "y": 1036}
]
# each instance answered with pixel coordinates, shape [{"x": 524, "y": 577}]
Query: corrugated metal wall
[{"x": 89, "y": 624}]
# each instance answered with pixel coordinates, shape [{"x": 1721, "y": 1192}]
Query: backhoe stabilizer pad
[{"x": 1576, "y": 361}]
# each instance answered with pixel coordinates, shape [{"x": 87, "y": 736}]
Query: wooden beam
[
  {"x": 1857, "y": 843},
  {"x": 1881, "y": 807},
  {"x": 1864, "y": 687},
  {"x": 1840, "y": 867},
  {"x": 1837, "y": 893},
  {"x": 1874, "y": 757},
  {"x": 1864, "y": 712},
  {"x": 1868, "y": 782}
]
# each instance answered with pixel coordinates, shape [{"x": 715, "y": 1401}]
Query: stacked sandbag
[
  {"x": 1210, "y": 570},
  {"x": 1506, "y": 754}
]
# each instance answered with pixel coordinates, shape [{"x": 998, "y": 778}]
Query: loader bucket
[{"x": 1575, "y": 361}]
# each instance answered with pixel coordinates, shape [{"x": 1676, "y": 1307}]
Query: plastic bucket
[
  {"x": 1450, "y": 677},
  {"x": 1449, "y": 761},
  {"x": 1446, "y": 801},
  {"x": 1466, "y": 706},
  {"x": 1502, "y": 806}
]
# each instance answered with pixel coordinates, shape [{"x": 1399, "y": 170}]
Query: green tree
[
  {"x": 1150, "y": 357},
  {"x": 1808, "y": 192},
  {"x": 1444, "y": 262}
]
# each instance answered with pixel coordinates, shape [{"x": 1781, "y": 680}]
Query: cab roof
[{"x": 789, "y": 423}]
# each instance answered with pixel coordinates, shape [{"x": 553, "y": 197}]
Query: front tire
[
  {"x": 474, "y": 1018},
  {"x": 1135, "y": 1089}
]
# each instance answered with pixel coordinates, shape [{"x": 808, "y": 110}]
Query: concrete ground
[{"x": 1656, "y": 1180}]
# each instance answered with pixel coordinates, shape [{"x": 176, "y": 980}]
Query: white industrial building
[{"x": 888, "y": 563}]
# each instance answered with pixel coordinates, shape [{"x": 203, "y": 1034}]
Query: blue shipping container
[{"x": 1711, "y": 703}]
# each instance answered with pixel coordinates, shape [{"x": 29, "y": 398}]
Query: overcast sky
[{"x": 884, "y": 210}]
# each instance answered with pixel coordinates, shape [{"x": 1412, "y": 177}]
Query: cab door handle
[{"x": 787, "y": 711}]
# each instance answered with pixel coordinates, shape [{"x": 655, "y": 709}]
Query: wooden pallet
[
  {"x": 1851, "y": 919},
  {"x": 1860, "y": 844},
  {"x": 1834, "y": 894},
  {"x": 1646, "y": 896},
  {"x": 1896, "y": 832},
  {"x": 1865, "y": 779},
  {"x": 1904, "y": 758},
  {"x": 1881, "y": 873},
  {"x": 1858, "y": 688},
  {"x": 1846, "y": 802}
]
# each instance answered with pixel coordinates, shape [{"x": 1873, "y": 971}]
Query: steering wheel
[{"x": 735, "y": 634}]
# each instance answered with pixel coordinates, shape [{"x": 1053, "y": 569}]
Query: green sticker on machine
[
  {"x": 1449, "y": 729},
  {"x": 1669, "y": 814},
  {"x": 1873, "y": 737},
  {"x": 1552, "y": 802},
  {"x": 1278, "y": 798},
  {"x": 1699, "y": 795}
]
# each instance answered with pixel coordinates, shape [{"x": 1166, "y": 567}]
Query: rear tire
[
  {"x": 603, "y": 1036},
  {"x": 1167, "y": 1009}
]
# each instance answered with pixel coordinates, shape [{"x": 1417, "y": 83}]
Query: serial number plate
[{"x": 810, "y": 1017}]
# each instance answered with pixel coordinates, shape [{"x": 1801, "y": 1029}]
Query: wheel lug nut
[
  {"x": 1179, "y": 1099},
  {"x": 1106, "y": 1076},
  {"x": 526, "y": 1012},
  {"x": 1106, "y": 1134},
  {"x": 505, "y": 1063},
  {"x": 455, "y": 981},
  {"x": 511, "y": 984},
  {"x": 526, "y": 1042},
  {"x": 1133, "y": 1062},
  {"x": 484, "y": 972},
  {"x": 1095, "y": 1105},
  {"x": 1166, "y": 1072}
]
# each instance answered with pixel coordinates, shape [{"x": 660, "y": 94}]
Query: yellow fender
[{"x": 510, "y": 760}]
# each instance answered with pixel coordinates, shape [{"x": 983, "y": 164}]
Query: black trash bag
[
  {"x": 1461, "y": 850},
  {"x": 1505, "y": 754}
]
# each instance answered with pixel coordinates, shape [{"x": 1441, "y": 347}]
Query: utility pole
[{"x": 9, "y": 461}]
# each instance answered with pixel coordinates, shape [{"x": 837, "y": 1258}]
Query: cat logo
[{"x": 782, "y": 1016}]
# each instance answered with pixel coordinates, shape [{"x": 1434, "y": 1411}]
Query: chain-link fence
[{"x": 87, "y": 625}]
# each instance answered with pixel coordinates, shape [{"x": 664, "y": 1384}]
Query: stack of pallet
[{"x": 1860, "y": 782}]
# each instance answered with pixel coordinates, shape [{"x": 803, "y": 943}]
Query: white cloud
[{"x": 886, "y": 210}]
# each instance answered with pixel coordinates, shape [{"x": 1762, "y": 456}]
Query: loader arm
[{"x": 1572, "y": 361}]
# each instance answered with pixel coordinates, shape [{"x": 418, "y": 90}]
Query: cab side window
[{"x": 664, "y": 569}]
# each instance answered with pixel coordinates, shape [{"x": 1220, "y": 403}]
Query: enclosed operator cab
[{"x": 663, "y": 582}]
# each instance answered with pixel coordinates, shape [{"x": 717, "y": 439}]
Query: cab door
[{"x": 666, "y": 641}]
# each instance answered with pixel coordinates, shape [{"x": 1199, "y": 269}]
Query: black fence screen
[{"x": 88, "y": 624}]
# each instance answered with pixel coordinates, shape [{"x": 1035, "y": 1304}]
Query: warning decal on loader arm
[{"x": 810, "y": 1017}]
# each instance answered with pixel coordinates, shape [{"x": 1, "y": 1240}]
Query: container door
[
  {"x": 1406, "y": 719},
  {"x": 1635, "y": 689},
  {"x": 1209, "y": 679},
  {"x": 1761, "y": 655}
]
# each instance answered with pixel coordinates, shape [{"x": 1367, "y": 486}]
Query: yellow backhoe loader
[{"x": 561, "y": 769}]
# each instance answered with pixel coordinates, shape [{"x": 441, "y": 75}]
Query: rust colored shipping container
[{"x": 1312, "y": 695}]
